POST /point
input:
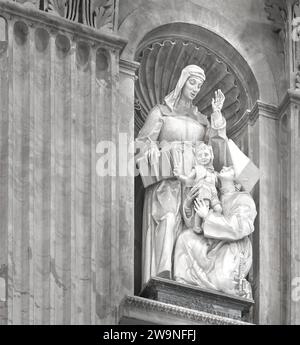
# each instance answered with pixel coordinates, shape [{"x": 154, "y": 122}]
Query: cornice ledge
[
  {"x": 291, "y": 97},
  {"x": 106, "y": 38},
  {"x": 263, "y": 109},
  {"x": 189, "y": 314},
  {"x": 129, "y": 67}
]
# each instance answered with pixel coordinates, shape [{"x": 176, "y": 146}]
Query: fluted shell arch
[{"x": 161, "y": 63}]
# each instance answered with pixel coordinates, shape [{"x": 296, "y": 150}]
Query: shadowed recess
[
  {"x": 20, "y": 32},
  {"x": 3, "y": 35},
  {"x": 3, "y": 30},
  {"x": 102, "y": 64},
  {"x": 82, "y": 53},
  {"x": 63, "y": 45},
  {"x": 41, "y": 38}
]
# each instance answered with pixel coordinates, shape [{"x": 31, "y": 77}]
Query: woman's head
[
  {"x": 189, "y": 84},
  {"x": 191, "y": 88}
]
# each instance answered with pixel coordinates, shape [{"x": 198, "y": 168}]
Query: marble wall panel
[
  {"x": 266, "y": 273},
  {"x": 290, "y": 208},
  {"x": 59, "y": 224},
  {"x": 41, "y": 173},
  {"x": 4, "y": 121}
]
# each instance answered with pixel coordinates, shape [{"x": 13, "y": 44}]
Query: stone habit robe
[{"x": 223, "y": 252}]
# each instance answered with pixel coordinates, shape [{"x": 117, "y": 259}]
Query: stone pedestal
[
  {"x": 143, "y": 311},
  {"x": 203, "y": 300},
  {"x": 167, "y": 302}
]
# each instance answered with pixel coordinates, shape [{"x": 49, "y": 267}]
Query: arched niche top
[
  {"x": 166, "y": 50},
  {"x": 245, "y": 37}
]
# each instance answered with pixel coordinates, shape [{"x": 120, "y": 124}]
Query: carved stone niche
[
  {"x": 165, "y": 52},
  {"x": 162, "y": 55},
  {"x": 161, "y": 65}
]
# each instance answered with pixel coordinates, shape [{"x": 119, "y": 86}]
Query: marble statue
[
  {"x": 178, "y": 125},
  {"x": 221, "y": 256},
  {"x": 204, "y": 178}
]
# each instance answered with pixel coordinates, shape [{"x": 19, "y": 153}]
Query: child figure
[{"x": 204, "y": 178}]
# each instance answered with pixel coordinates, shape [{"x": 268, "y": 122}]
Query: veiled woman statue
[{"x": 174, "y": 128}]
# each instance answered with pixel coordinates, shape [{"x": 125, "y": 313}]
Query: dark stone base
[{"x": 195, "y": 298}]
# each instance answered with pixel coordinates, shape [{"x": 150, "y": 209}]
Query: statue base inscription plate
[{"x": 195, "y": 298}]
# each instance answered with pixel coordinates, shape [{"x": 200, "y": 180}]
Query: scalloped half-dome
[{"x": 161, "y": 63}]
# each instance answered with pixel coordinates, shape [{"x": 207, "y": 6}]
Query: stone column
[
  {"x": 290, "y": 207},
  {"x": 263, "y": 150},
  {"x": 126, "y": 176},
  {"x": 288, "y": 23}
]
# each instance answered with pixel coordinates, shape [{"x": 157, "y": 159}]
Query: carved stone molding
[
  {"x": 295, "y": 46},
  {"x": 263, "y": 109},
  {"x": 99, "y": 14},
  {"x": 285, "y": 16},
  {"x": 129, "y": 67},
  {"x": 278, "y": 14},
  {"x": 133, "y": 306},
  {"x": 197, "y": 299},
  {"x": 292, "y": 97},
  {"x": 29, "y": 3},
  {"x": 57, "y": 24},
  {"x": 250, "y": 117}
]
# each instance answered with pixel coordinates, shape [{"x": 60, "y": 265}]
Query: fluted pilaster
[{"x": 59, "y": 224}]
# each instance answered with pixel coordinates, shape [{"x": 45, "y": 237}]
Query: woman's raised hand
[{"x": 218, "y": 101}]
